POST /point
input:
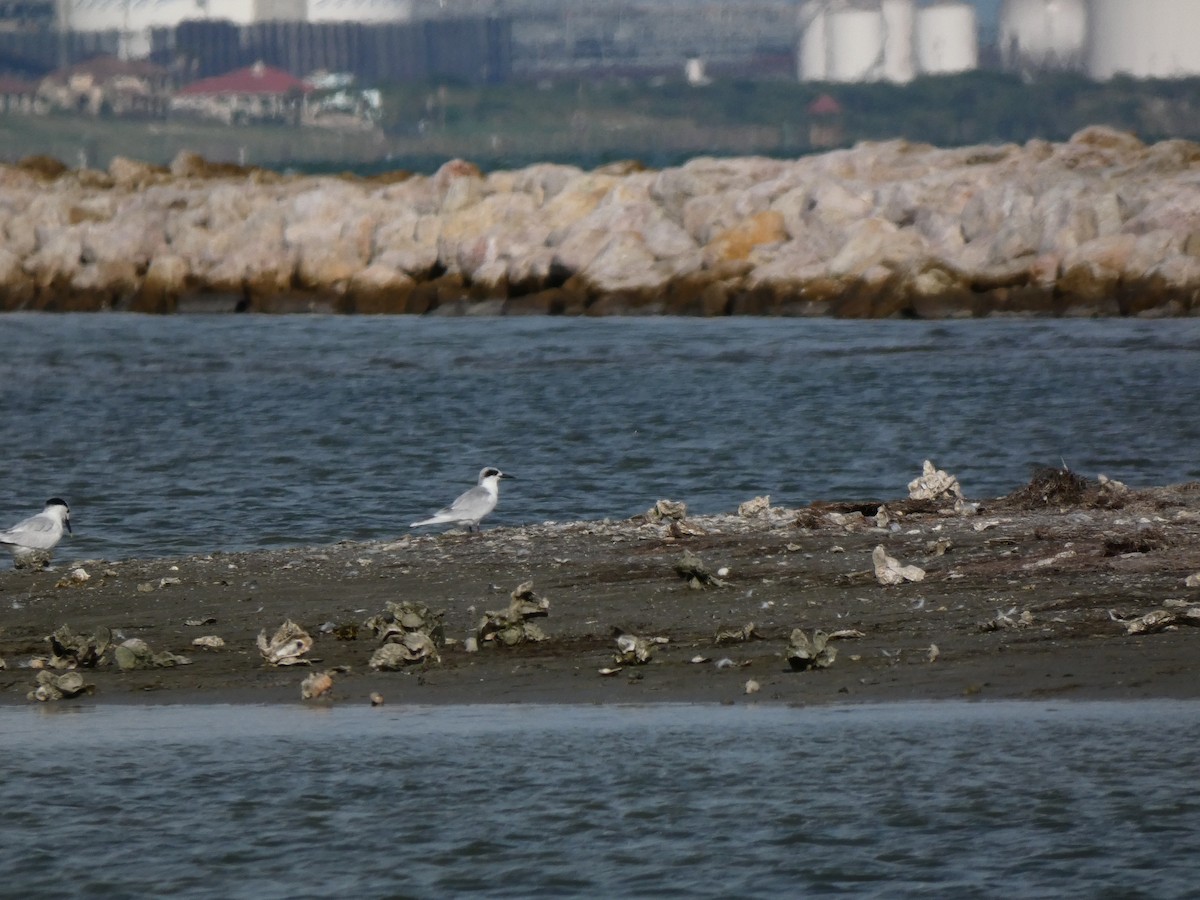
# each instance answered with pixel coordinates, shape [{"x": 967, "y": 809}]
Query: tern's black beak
[
  {"x": 67, "y": 522},
  {"x": 506, "y": 475}
]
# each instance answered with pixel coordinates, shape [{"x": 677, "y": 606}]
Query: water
[
  {"x": 955, "y": 800},
  {"x": 190, "y": 434}
]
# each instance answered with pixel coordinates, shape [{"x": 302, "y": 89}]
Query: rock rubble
[{"x": 1100, "y": 225}]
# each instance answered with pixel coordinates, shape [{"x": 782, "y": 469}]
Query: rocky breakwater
[{"x": 1099, "y": 225}]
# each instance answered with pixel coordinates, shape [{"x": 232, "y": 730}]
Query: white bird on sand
[
  {"x": 32, "y": 539},
  {"x": 472, "y": 505}
]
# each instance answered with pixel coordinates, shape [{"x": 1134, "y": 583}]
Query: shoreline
[{"x": 1028, "y": 596}]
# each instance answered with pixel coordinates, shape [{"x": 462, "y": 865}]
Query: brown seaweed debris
[{"x": 1050, "y": 488}]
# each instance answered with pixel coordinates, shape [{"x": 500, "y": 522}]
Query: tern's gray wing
[
  {"x": 37, "y": 532},
  {"x": 468, "y": 502}
]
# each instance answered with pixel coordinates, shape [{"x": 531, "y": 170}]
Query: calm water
[
  {"x": 188, "y": 434},
  {"x": 958, "y": 800}
]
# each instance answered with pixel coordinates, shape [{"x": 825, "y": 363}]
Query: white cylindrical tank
[
  {"x": 854, "y": 43},
  {"x": 1146, "y": 39},
  {"x": 142, "y": 15},
  {"x": 947, "y": 39},
  {"x": 367, "y": 11},
  {"x": 1039, "y": 35},
  {"x": 899, "y": 25},
  {"x": 812, "y": 59},
  {"x": 280, "y": 10}
]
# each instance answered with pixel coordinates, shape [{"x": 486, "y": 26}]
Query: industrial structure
[
  {"x": 894, "y": 40},
  {"x": 375, "y": 40},
  {"x": 491, "y": 40},
  {"x": 1042, "y": 35},
  {"x": 885, "y": 40},
  {"x": 1146, "y": 39}
]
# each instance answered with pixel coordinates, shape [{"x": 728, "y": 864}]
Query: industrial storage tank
[
  {"x": 899, "y": 25},
  {"x": 1042, "y": 35},
  {"x": 855, "y": 43},
  {"x": 947, "y": 39},
  {"x": 1147, "y": 39},
  {"x": 135, "y": 16},
  {"x": 812, "y": 63},
  {"x": 364, "y": 11}
]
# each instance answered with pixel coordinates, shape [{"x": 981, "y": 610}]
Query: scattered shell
[
  {"x": 940, "y": 547},
  {"x": 400, "y": 651},
  {"x": 666, "y": 509},
  {"x": 1192, "y": 580},
  {"x": 1049, "y": 560},
  {"x": 810, "y": 653},
  {"x": 684, "y": 529},
  {"x": 209, "y": 642},
  {"x": 288, "y": 645},
  {"x": 317, "y": 684},
  {"x": 57, "y": 687},
  {"x": 753, "y": 687},
  {"x": 849, "y": 521},
  {"x": 69, "y": 650},
  {"x": 635, "y": 650},
  {"x": 846, "y": 633},
  {"x": 888, "y": 569},
  {"x": 737, "y": 635},
  {"x": 758, "y": 506},
  {"x": 1005, "y": 620},
  {"x": 934, "y": 484},
  {"x": 985, "y": 525},
  {"x": 1161, "y": 620},
  {"x": 611, "y": 671},
  {"x": 410, "y": 633},
  {"x": 700, "y": 659},
  {"x": 376, "y": 698},
  {"x": 200, "y": 623},
  {"x": 512, "y": 626},
  {"x": 471, "y": 644},
  {"x": 3, "y": 664},
  {"x": 136, "y": 654},
  {"x": 933, "y": 653},
  {"x": 74, "y": 578},
  {"x": 695, "y": 572},
  {"x": 965, "y": 508},
  {"x": 165, "y": 582},
  {"x": 726, "y": 663}
]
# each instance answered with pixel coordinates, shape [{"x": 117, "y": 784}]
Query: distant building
[
  {"x": 257, "y": 93},
  {"x": 825, "y": 123},
  {"x": 108, "y": 86},
  {"x": 20, "y": 96}
]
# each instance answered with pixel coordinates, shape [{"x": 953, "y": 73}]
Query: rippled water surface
[
  {"x": 188, "y": 434},
  {"x": 955, "y": 800}
]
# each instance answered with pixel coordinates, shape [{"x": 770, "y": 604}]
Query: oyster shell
[{"x": 287, "y": 646}]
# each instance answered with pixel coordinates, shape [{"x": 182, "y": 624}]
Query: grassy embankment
[{"x": 588, "y": 122}]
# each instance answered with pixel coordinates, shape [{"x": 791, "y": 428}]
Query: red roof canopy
[
  {"x": 824, "y": 106},
  {"x": 256, "y": 79}
]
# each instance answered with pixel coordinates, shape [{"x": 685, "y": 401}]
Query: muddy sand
[{"x": 1033, "y": 595}]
